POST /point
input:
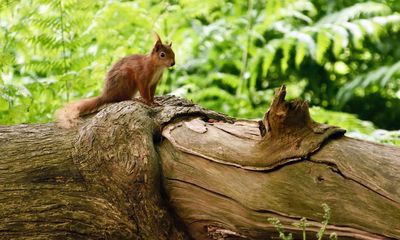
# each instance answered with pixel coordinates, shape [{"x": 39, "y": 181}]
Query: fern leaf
[
  {"x": 367, "y": 9},
  {"x": 390, "y": 73},
  {"x": 304, "y": 38},
  {"x": 269, "y": 56},
  {"x": 323, "y": 43},
  {"x": 255, "y": 67},
  {"x": 367, "y": 25},
  {"x": 340, "y": 40},
  {"x": 8, "y": 4},
  {"x": 301, "y": 50},
  {"x": 380, "y": 76},
  {"x": 227, "y": 79},
  {"x": 356, "y": 32},
  {"x": 286, "y": 13},
  {"x": 385, "y": 20},
  {"x": 286, "y": 47},
  {"x": 304, "y": 6}
]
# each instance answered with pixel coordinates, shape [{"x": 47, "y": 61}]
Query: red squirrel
[{"x": 129, "y": 75}]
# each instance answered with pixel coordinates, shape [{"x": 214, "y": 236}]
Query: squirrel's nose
[{"x": 173, "y": 63}]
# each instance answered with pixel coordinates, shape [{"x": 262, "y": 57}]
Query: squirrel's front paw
[
  {"x": 142, "y": 100},
  {"x": 155, "y": 104},
  {"x": 148, "y": 102}
]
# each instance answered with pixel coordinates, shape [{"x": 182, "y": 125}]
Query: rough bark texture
[{"x": 138, "y": 172}]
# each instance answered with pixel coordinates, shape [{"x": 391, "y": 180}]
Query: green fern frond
[
  {"x": 340, "y": 40},
  {"x": 360, "y": 10},
  {"x": 286, "y": 47},
  {"x": 304, "y": 6},
  {"x": 43, "y": 66},
  {"x": 6, "y": 59},
  {"x": 289, "y": 13},
  {"x": 49, "y": 22},
  {"x": 303, "y": 38},
  {"x": 291, "y": 10},
  {"x": 269, "y": 55},
  {"x": 8, "y": 4},
  {"x": 380, "y": 76},
  {"x": 47, "y": 41},
  {"x": 356, "y": 32},
  {"x": 214, "y": 93},
  {"x": 394, "y": 69},
  {"x": 338, "y": 31},
  {"x": 195, "y": 8},
  {"x": 79, "y": 61},
  {"x": 255, "y": 67},
  {"x": 343, "y": 27},
  {"x": 393, "y": 19},
  {"x": 301, "y": 51},
  {"x": 280, "y": 14},
  {"x": 323, "y": 44},
  {"x": 226, "y": 79}
]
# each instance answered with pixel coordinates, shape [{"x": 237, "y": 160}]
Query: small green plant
[
  {"x": 327, "y": 216},
  {"x": 279, "y": 227},
  {"x": 303, "y": 224}
]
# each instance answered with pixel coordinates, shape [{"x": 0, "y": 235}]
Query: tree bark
[{"x": 179, "y": 171}]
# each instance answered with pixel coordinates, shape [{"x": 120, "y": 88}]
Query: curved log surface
[
  {"x": 179, "y": 171},
  {"x": 227, "y": 177}
]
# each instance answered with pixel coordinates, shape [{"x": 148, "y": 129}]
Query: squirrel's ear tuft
[
  {"x": 157, "y": 37},
  {"x": 170, "y": 44},
  {"x": 158, "y": 43}
]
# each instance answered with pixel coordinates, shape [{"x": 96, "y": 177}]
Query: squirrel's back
[{"x": 121, "y": 79}]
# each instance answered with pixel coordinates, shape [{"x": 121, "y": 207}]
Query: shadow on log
[{"x": 179, "y": 172}]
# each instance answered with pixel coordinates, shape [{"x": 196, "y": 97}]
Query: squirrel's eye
[{"x": 162, "y": 54}]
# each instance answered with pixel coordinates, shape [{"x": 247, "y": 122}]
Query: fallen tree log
[{"x": 179, "y": 171}]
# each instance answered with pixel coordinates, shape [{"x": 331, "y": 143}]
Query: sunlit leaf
[
  {"x": 301, "y": 51},
  {"x": 269, "y": 56},
  {"x": 323, "y": 43}
]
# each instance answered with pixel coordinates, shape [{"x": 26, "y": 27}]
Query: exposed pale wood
[{"x": 280, "y": 145}]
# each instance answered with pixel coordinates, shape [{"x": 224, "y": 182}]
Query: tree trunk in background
[{"x": 179, "y": 171}]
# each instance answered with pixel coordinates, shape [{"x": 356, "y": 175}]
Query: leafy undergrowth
[
  {"x": 355, "y": 127},
  {"x": 303, "y": 224}
]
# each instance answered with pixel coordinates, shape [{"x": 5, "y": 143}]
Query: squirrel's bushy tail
[{"x": 68, "y": 116}]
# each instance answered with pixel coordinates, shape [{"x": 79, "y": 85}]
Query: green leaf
[
  {"x": 356, "y": 33},
  {"x": 323, "y": 43},
  {"x": 388, "y": 75},
  {"x": 287, "y": 46},
  {"x": 355, "y": 11},
  {"x": 301, "y": 51},
  {"x": 3, "y": 104},
  {"x": 269, "y": 56},
  {"x": 340, "y": 40}
]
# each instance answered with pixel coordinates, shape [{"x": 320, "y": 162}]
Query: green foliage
[
  {"x": 279, "y": 227},
  {"x": 379, "y": 77},
  {"x": 327, "y": 216},
  {"x": 303, "y": 224},
  {"x": 339, "y": 55}
]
